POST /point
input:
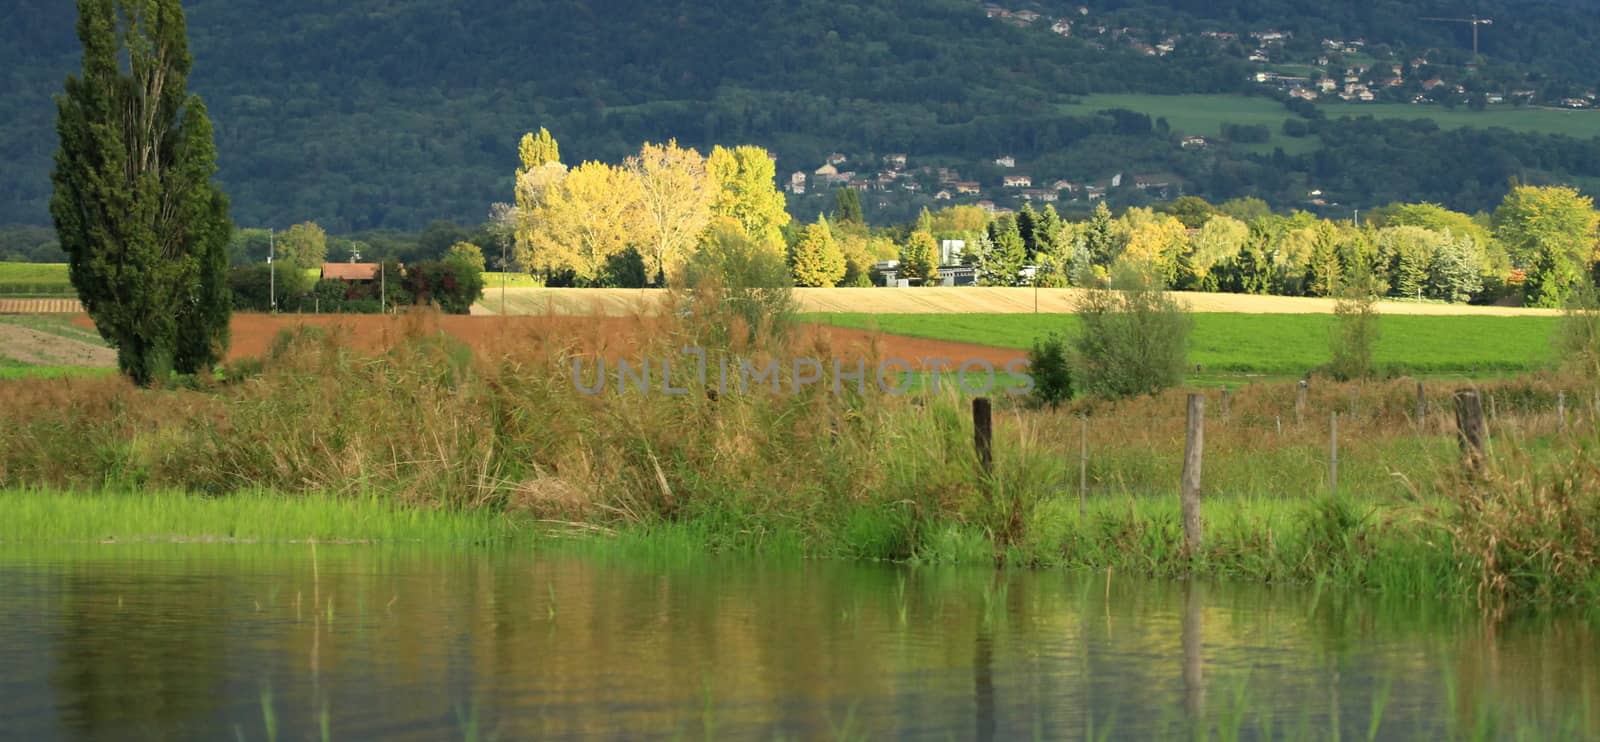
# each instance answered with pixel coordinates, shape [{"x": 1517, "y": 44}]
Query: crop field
[
  {"x": 965, "y": 300},
  {"x": 1273, "y": 345},
  {"x": 34, "y": 279}
]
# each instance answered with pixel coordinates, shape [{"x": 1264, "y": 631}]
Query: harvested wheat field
[
  {"x": 39, "y": 306},
  {"x": 965, "y": 300},
  {"x": 611, "y": 337}
]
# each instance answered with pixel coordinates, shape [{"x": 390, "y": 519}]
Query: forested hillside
[{"x": 373, "y": 114}]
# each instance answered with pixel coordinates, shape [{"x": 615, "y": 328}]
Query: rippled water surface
[{"x": 356, "y": 642}]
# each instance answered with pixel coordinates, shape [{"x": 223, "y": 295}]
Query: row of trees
[
  {"x": 595, "y": 223},
  {"x": 1540, "y": 243}
]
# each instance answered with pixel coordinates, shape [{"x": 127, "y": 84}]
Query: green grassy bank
[
  {"x": 421, "y": 431},
  {"x": 1271, "y": 344}
]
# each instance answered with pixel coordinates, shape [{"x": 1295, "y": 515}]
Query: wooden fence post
[
  {"x": 1470, "y": 428},
  {"x": 1300, "y": 403},
  {"x": 1561, "y": 410},
  {"x": 1333, "y": 453},
  {"x": 983, "y": 434},
  {"x": 1083, "y": 465},
  {"x": 1227, "y": 404},
  {"x": 1193, "y": 452}
]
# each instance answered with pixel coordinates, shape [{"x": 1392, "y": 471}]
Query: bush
[
  {"x": 1355, "y": 328},
  {"x": 453, "y": 285},
  {"x": 731, "y": 282},
  {"x": 625, "y": 270},
  {"x": 1578, "y": 336},
  {"x": 1052, "y": 377},
  {"x": 1135, "y": 337}
]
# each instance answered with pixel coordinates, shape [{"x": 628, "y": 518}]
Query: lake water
[{"x": 357, "y": 642}]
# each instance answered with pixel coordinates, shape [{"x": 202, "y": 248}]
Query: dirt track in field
[{"x": 965, "y": 300}]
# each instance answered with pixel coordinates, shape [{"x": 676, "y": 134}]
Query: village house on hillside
[
  {"x": 1005, "y": 161},
  {"x": 1017, "y": 181}
]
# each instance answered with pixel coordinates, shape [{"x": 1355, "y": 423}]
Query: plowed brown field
[{"x": 612, "y": 337}]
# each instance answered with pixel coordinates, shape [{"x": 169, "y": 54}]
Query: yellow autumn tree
[
  {"x": 746, "y": 190},
  {"x": 1155, "y": 240},
  {"x": 581, "y": 222},
  {"x": 540, "y": 169},
  {"x": 674, "y": 194},
  {"x": 1218, "y": 241},
  {"x": 817, "y": 260}
]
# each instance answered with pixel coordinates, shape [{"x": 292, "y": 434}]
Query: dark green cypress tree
[
  {"x": 847, "y": 207},
  {"x": 144, "y": 228}
]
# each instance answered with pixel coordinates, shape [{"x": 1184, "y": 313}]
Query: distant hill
[{"x": 369, "y": 114}]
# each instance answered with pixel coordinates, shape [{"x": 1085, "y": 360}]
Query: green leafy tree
[
  {"x": 1552, "y": 231},
  {"x": 1193, "y": 211},
  {"x": 919, "y": 259},
  {"x": 816, "y": 259},
  {"x": 468, "y": 253},
  {"x": 1406, "y": 253},
  {"x": 303, "y": 246},
  {"x": 145, "y": 229},
  {"x": 248, "y": 246},
  {"x": 847, "y": 207}
]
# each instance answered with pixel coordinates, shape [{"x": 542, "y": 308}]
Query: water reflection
[{"x": 144, "y": 642}]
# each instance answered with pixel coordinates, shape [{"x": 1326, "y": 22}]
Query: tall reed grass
[{"x": 425, "y": 422}]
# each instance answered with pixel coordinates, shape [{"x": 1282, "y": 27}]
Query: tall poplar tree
[{"x": 144, "y": 227}]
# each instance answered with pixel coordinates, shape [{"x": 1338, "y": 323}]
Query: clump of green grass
[{"x": 247, "y": 516}]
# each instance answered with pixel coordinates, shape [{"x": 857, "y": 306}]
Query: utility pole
[
  {"x": 272, "y": 266},
  {"x": 502, "y": 278}
]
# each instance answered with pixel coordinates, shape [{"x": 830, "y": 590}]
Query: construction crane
[{"x": 1474, "y": 20}]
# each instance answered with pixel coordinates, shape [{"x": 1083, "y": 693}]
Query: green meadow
[
  {"x": 1270, "y": 344},
  {"x": 34, "y": 279}
]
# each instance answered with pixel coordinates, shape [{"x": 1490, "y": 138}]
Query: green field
[
  {"x": 1270, "y": 345},
  {"x": 1205, "y": 114},
  {"x": 34, "y": 279}
]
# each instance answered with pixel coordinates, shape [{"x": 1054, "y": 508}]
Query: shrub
[
  {"x": 739, "y": 290},
  {"x": 1135, "y": 337},
  {"x": 1355, "y": 327},
  {"x": 1052, "y": 376},
  {"x": 1578, "y": 335},
  {"x": 453, "y": 285}
]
